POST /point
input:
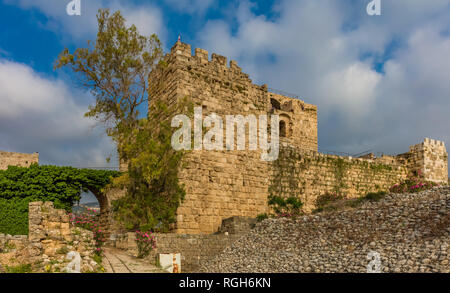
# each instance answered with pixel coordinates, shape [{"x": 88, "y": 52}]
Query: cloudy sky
[{"x": 380, "y": 82}]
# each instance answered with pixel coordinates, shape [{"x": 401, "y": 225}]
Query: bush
[
  {"x": 262, "y": 217},
  {"x": 61, "y": 185},
  {"x": 327, "y": 198},
  {"x": 375, "y": 196},
  {"x": 14, "y": 215},
  {"x": 90, "y": 221},
  {"x": 145, "y": 242},
  {"x": 414, "y": 183},
  {"x": 154, "y": 191},
  {"x": 285, "y": 207},
  {"x": 371, "y": 196},
  {"x": 20, "y": 269}
]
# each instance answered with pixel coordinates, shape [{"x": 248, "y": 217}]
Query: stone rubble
[{"x": 409, "y": 231}]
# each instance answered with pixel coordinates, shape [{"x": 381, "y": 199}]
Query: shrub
[
  {"x": 285, "y": 207},
  {"x": 262, "y": 217},
  {"x": 414, "y": 183},
  {"x": 20, "y": 269},
  {"x": 14, "y": 215},
  {"x": 375, "y": 196},
  {"x": 327, "y": 198},
  {"x": 371, "y": 196},
  {"x": 89, "y": 221},
  {"x": 145, "y": 241}
]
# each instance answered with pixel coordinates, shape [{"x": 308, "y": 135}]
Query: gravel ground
[{"x": 409, "y": 233}]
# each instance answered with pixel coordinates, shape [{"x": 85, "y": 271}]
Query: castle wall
[
  {"x": 17, "y": 159},
  {"x": 308, "y": 174},
  {"x": 222, "y": 184}
]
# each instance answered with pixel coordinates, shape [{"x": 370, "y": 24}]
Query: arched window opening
[{"x": 283, "y": 129}]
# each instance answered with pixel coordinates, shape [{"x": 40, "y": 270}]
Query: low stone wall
[{"x": 194, "y": 248}]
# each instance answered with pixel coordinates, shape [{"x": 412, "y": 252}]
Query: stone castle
[
  {"x": 223, "y": 184},
  {"x": 17, "y": 159}
]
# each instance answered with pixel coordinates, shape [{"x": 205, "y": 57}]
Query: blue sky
[{"x": 380, "y": 82}]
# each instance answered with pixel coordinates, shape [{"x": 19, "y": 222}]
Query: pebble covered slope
[{"x": 411, "y": 233}]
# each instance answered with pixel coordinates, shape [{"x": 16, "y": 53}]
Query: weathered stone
[{"x": 17, "y": 159}]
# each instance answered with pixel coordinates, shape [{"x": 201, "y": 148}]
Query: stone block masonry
[
  {"x": 194, "y": 248},
  {"x": 17, "y": 159},
  {"x": 223, "y": 184}
]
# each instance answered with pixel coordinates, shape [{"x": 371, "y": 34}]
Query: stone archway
[{"x": 105, "y": 200}]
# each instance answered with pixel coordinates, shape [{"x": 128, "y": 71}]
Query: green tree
[{"x": 115, "y": 67}]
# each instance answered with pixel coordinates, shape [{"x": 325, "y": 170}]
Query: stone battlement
[{"x": 202, "y": 56}]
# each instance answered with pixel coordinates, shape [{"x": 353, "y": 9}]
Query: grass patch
[
  {"x": 20, "y": 269},
  {"x": 62, "y": 250},
  {"x": 262, "y": 217},
  {"x": 330, "y": 202}
]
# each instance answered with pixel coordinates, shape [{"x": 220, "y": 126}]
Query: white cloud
[
  {"x": 41, "y": 114},
  {"x": 147, "y": 18},
  {"x": 314, "y": 48},
  {"x": 190, "y": 6}
]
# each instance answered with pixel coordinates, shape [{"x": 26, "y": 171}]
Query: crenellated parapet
[
  {"x": 431, "y": 158},
  {"x": 182, "y": 53}
]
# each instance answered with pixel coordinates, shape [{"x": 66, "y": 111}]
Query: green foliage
[
  {"x": 90, "y": 220},
  {"x": 375, "y": 196},
  {"x": 340, "y": 172},
  {"x": 153, "y": 189},
  {"x": 14, "y": 215},
  {"x": 145, "y": 242},
  {"x": 285, "y": 207},
  {"x": 324, "y": 200},
  {"x": 262, "y": 217},
  {"x": 20, "y": 269},
  {"x": 61, "y": 185},
  {"x": 115, "y": 67},
  {"x": 63, "y": 250},
  {"x": 371, "y": 196}
]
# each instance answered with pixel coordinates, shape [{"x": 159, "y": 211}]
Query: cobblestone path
[{"x": 118, "y": 261}]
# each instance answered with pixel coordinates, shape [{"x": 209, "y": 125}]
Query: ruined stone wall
[
  {"x": 17, "y": 159},
  {"x": 194, "y": 248}
]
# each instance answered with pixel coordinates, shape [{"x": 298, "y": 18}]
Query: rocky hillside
[{"x": 410, "y": 232}]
